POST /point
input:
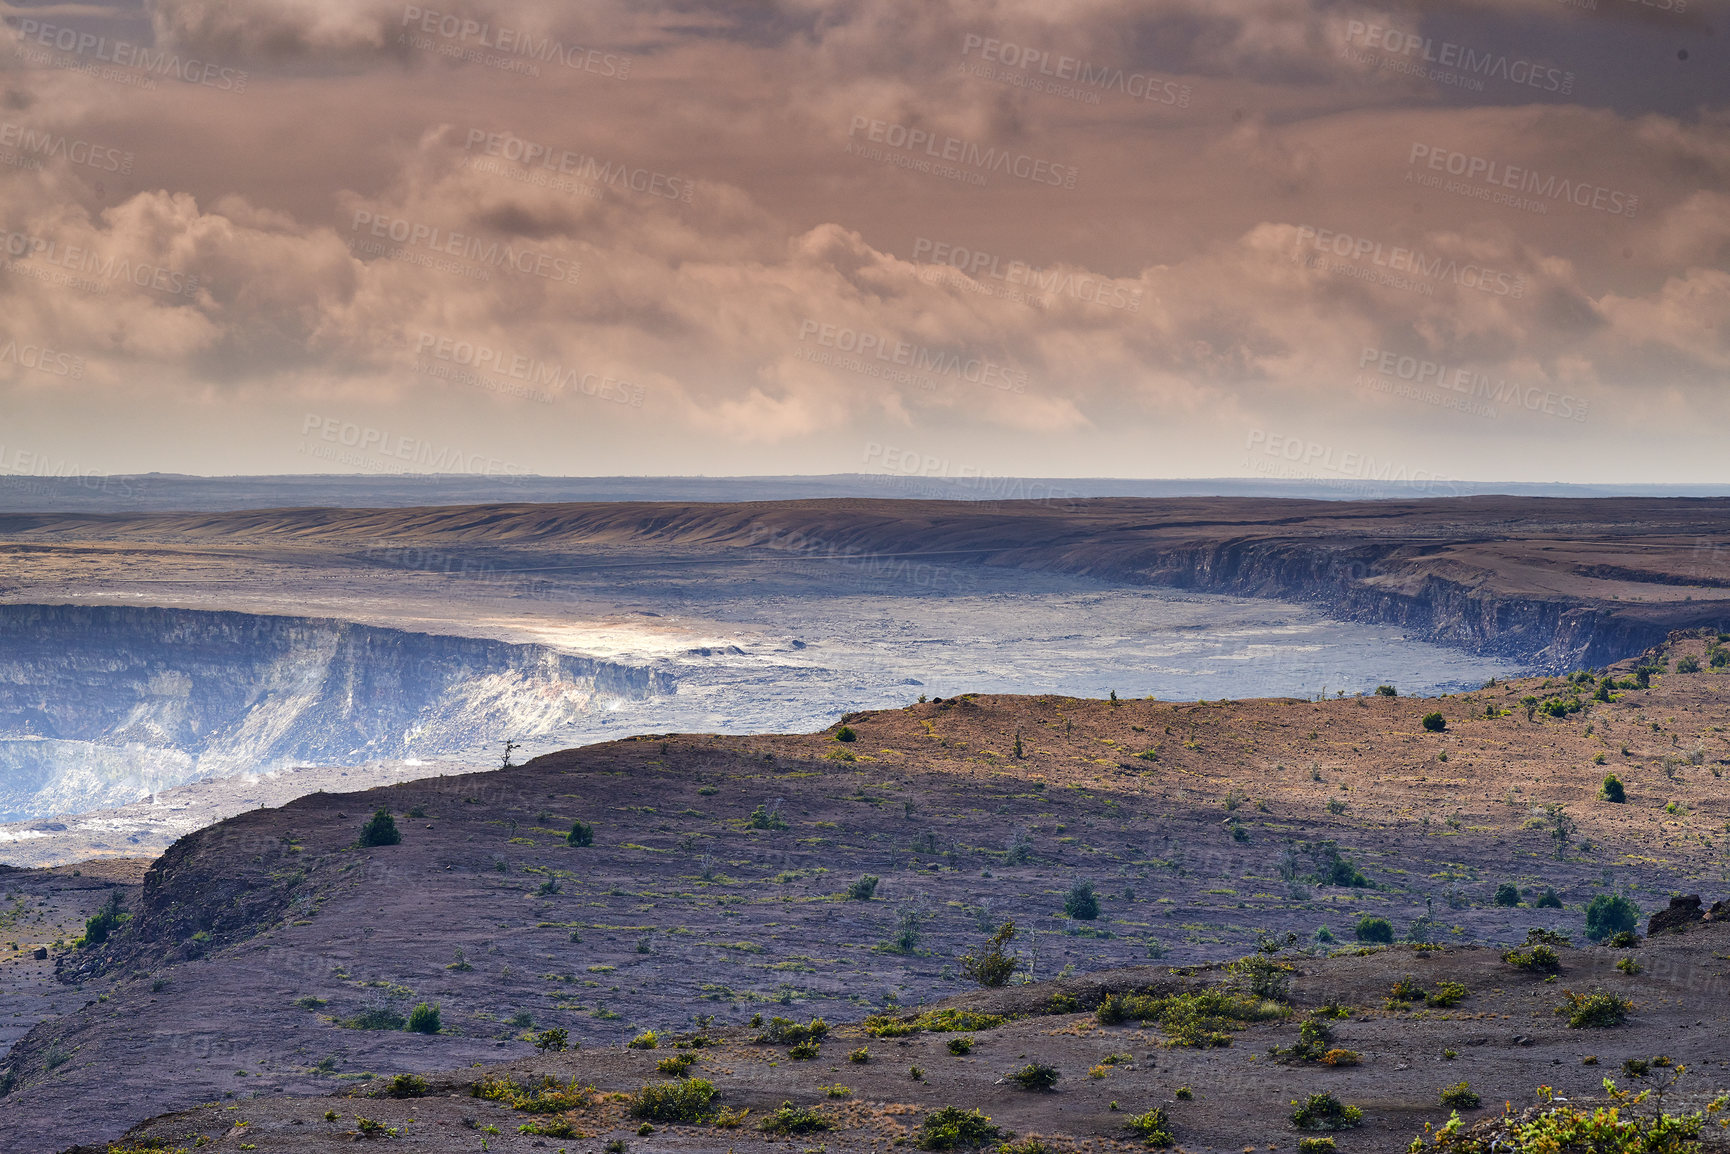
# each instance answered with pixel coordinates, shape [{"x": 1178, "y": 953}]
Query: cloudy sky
[{"x": 1482, "y": 240}]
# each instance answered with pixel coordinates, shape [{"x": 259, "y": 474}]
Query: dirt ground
[{"x": 256, "y": 943}]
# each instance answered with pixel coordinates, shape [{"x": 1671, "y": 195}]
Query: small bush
[
  {"x": 582, "y": 834},
  {"x": 786, "y": 1032},
  {"x": 548, "y": 1128},
  {"x": 1184, "y": 1093},
  {"x": 1613, "y": 790},
  {"x": 1153, "y": 1127},
  {"x": 1548, "y": 900},
  {"x": 1375, "y": 930},
  {"x": 790, "y": 1119},
  {"x": 677, "y": 1065},
  {"x": 1339, "y": 1057},
  {"x": 765, "y": 818},
  {"x": 804, "y": 1051},
  {"x": 1688, "y": 663},
  {"x": 953, "y": 1128},
  {"x": 692, "y": 1100},
  {"x": 863, "y": 889},
  {"x": 380, "y": 829},
  {"x": 377, "y": 1019},
  {"x": 1447, "y": 994},
  {"x": 1081, "y": 902},
  {"x": 1629, "y": 966},
  {"x": 1435, "y": 722},
  {"x": 1036, "y": 1076},
  {"x": 404, "y": 1086},
  {"x": 1317, "y": 1146},
  {"x": 424, "y": 1019},
  {"x": 1386, "y": 691},
  {"x": 1406, "y": 990},
  {"x": 1594, "y": 1011},
  {"x": 993, "y": 965},
  {"x": 1460, "y": 1096},
  {"x": 1507, "y": 894},
  {"x": 546, "y": 1097},
  {"x": 1610, "y": 914},
  {"x": 860, "y": 1056},
  {"x": 647, "y": 1040},
  {"x": 960, "y": 1046},
  {"x": 1624, "y": 940},
  {"x": 1324, "y": 1112},
  {"x": 554, "y": 1040},
  {"x": 845, "y": 733},
  {"x": 1539, "y": 959}
]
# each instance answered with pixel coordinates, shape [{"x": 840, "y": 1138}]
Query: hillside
[
  {"x": 716, "y": 882},
  {"x": 1557, "y": 583}
]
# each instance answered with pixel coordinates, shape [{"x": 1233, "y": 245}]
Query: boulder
[
  {"x": 1720, "y": 911},
  {"x": 1684, "y": 910}
]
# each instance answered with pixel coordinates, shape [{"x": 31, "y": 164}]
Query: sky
[{"x": 1487, "y": 240}]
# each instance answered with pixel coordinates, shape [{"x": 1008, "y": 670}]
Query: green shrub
[
  {"x": 992, "y": 966},
  {"x": 845, "y": 733},
  {"x": 860, "y": 1056},
  {"x": 1036, "y": 1076},
  {"x": 1153, "y": 1127},
  {"x": 1265, "y": 977},
  {"x": 1613, "y": 790},
  {"x": 863, "y": 889},
  {"x": 1435, "y": 722},
  {"x": 1324, "y": 1112},
  {"x": 1081, "y": 902},
  {"x": 1597, "y": 1010},
  {"x": 786, "y": 1032},
  {"x": 960, "y": 1046},
  {"x": 1629, "y": 966},
  {"x": 937, "y": 1021},
  {"x": 790, "y": 1119},
  {"x": 691, "y": 1100},
  {"x": 548, "y": 1128},
  {"x": 377, "y": 1019},
  {"x": 1688, "y": 663},
  {"x": 404, "y": 1086},
  {"x": 1624, "y": 940},
  {"x": 1375, "y": 930},
  {"x": 1539, "y": 959},
  {"x": 554, "y": 1040},
  {"x": 1447, "y": 994},
  {"x": 765, "y": 818},
  {"x": 1201, "y": 1019},
  {"x": 104, "y": 921},
  {"x": 1507, "y": 894},
  {"x": 1317, "y": 1146},
  {"x": 954, "y": 1128},
  {"x": 545, "y": 1097},
  {"x": 1548, "y": 900},
  {"x": 677, "y": 1065},
  {"x": 582, "y": 834},
  {"x": 1610, "y": 914},
  {"x": 1460, "y": 1096},
  {"x": 1406, "y": 990},
  {"x": 647, "y": 1040},
  {"x": 380, "y": 829},
  {"x": 804, "y": 1051},
  {"x": 424, "y": 1019},
  {"x": 1386, "y": 691}
]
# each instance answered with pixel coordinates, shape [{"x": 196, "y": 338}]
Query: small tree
[
  {"x": 424, "y": 1019},
  {"x": 1435, "y": 722},
  {"x": 1507, "y": 894},
  {"x": 907, "y": 929},
  {"x": 1081, "y": 902},
  {"x": 993, "y": 965},
  {"x": 845, "y": 733},
  {"x": 510, "y": 748},
  {"x": 582, "y": 833},
  {"x": 863, "y": 889},
  {"x": 104, "y": 921},
  {"x": 380, "y": 829},
  {"x": 1613, "y": 790},
  {"x": 552, "y": 1040},
  {"x": 1609, "y": 914},
  {"x": 1386, "y": 691},
  {"x": 1561, "y": 827}
]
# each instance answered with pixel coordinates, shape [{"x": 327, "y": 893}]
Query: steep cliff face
[{"x": 101, "y": 705}]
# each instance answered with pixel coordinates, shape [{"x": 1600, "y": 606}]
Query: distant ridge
[{"x": 175, "y": 492}]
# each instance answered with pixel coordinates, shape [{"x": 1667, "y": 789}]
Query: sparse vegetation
[
  {"x": 689, "y": 1100},
  {"x": 1035, "y": 1076},
  {"x": 1596, "y": 1010},
  {"x": 953, "y": 1128},
  {"x": 790, "y": 1119},
  {"x": 1324, "y": 1112},
  {"x": 1153, "y": 1128}
]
